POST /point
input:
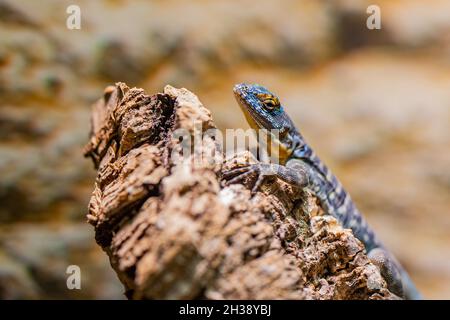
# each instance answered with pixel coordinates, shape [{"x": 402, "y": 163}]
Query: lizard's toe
[
  {"x": 239, "y": 178},
  {"x": 258, "y": 183},
  {"x": 233, "y": 172},
  {"x": 237, "y": 175}
]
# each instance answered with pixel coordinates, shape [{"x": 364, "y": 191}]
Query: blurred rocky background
[{"x": 375, "y": 104}]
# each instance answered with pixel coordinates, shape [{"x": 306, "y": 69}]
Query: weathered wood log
[{"x": 173, "y": 230}]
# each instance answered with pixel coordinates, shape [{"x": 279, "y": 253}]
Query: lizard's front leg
[{"x": 295, "y": 173}]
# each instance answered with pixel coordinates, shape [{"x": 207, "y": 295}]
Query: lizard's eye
[{"x": 270, "y": 102}]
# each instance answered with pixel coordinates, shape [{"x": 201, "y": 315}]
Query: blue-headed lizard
[{"x": 300, "y": 166}]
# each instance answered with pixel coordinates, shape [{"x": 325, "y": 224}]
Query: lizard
[{"x": 300, "y": 166}]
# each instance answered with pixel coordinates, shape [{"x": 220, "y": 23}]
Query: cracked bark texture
[{"x": 173, "y": 230}]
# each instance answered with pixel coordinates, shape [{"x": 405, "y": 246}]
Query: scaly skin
[{"x": 300, "y": 166}]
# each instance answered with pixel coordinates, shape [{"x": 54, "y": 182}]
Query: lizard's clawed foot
[{"x": 261, "y": 170}]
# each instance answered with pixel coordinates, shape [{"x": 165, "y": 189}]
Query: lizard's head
[{"x": 263, "y": 110}]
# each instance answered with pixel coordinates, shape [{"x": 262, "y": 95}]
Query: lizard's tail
[
  {"x": 397, "y": 279},
  {"x": 410, "y": 290}
]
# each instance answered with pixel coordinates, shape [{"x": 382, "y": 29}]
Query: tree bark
[{"x": 173, "y": 230}]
